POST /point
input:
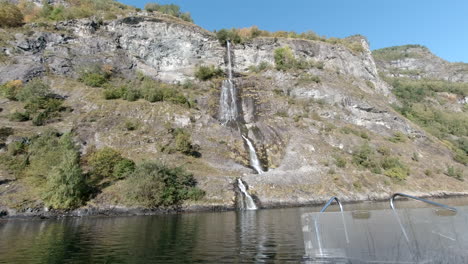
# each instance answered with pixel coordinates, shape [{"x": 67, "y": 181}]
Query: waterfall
[
  {"x": 248, "y": 201},
  {"x": 229, "y": 60},
  {"x": 229, "y": 112},
  {"x": 254, "y": 161},
  {"x": 228, "y": 101}
]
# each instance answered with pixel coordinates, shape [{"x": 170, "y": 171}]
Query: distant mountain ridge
[{"x": 417, "y": 61}]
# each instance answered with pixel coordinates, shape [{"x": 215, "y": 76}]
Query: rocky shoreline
[{"x": 116, "y": 210}]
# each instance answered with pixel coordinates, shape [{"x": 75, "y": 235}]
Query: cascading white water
[
  {"x": 248, "y": 200},
  {"x": 228, "y": 111},
  {"x": 228, "y": 101},
  {"x": 228, "y": 44},
  {"x": 228, "y": 104},
  {"x": 254, "y": 161}
]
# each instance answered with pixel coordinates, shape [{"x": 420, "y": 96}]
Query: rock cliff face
[{"x": 301, "y": 121}]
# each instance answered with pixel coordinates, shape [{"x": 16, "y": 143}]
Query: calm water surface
[{"x": 271, "y": 236}]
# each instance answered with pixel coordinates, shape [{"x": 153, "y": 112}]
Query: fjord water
[
  {"x": 262, "y": 236},
  {"x": 227, "y": 237}
]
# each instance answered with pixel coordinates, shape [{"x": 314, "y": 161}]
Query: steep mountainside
[
  {"x": 417, "y": 61},
  {"x": 321, "y": 123}
]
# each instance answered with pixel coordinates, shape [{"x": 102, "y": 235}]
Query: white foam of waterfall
[
  {"x": 229, "y": 60},
  {"x": 228, "y": 103},
  {"x": 228, "y": 100},
  {"x": 248, "y": 200},
  {"x": 254, "y": 161}
]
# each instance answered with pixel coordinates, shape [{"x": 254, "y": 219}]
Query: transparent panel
[{"x": 423, "y": 235}]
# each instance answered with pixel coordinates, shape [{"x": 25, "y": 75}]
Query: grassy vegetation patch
[
  {"x": 417, "y": 98},
  {"x": 365, "y": 156},
  {"x": 169, "y": 9},
  {"x": 205, "y": 73},
  {"x": 241, "y": 35},
  {"x": 286, "y": 60},
  {"x": 397, "y": 52},
  {"x": 62, "y": 179},
  {"x": 74, "y": 9},
  {"x": 261, "y": 67},
  {"x": 148, "y": 89},
  {"x": 40, "y": 104}
]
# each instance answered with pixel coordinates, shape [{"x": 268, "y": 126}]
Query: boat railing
[
  {"x": 392, "y": 206},
  {"x": 316, "y": 222},
  {"x": 392, "y": 201}
]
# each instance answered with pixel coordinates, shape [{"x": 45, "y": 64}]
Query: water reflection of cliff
[{"x": 272, "y": 235}]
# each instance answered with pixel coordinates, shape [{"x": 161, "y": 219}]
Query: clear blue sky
[{"x": 441, "y": 25}]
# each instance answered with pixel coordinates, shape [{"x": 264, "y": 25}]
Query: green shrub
[
  {"x": 428, "y": 172},
  {"x": 94, "y": 79},
  {"x": 396, "y": 173},
  {"x": 57, "y": 13},
  {"x": 45, "y": 151},
  {"x": 19, "y": 117},
  {"x": 10, "y": 15},
  {"x": 41, "y": 118},
  {"x": 109, "y": 163},
  {"x": 460, "y": 157},
  {"x": 33, "y": 91},
  {"x": 205, "y": 73},
  {"x": 17, "y": 148},
  {"x": 111, "y": 93},
  {"x": 183, "y": 143},
  {"x": 263, "y": 66},
  {"x": 153, "y": 185},
  {"x": 39, "y": 105},
  {"x": 132, "y": 95},
  {"x": 231, "y": 35},
  {"x": 131, "y": 125},
  {"x": 384, "y": 150},
  {"x": 364, "y": 156},
  {"x": 357, "y": 185},
  {"x": 391, "y": 162},
  {"x": 170, "y": 9},
  {"x": 284, "y": 58},
  {"x": 123, "y": 168},
  {"x": 96, "y": 75},
  {"x": 462, "y": 143},
  {"x": 65, "y": 186},
  {"x": 5, "y": 132},
  {"x": 456, "y": 173},
  {"x": 11, "y": 89},
  {"x": 397, "y": 137},
  {"x": 348, "y": 130},
  {"x": 370, "y": 84},
  {"x": 340, "y": 161},
  {"x": 307, "y": 78}
]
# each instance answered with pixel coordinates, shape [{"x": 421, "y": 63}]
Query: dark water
[{"x": 264, "y": 236}]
